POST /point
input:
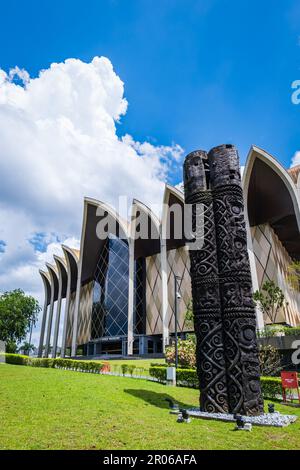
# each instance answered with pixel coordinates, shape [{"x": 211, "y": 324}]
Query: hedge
[
  {"x": 89, "y": 366},
  {"x": 185, "y": 377},
  {"x": 271, "y": 386},
  {"x": 272, "y": 330},
  {"x": 16, "y": 359}
]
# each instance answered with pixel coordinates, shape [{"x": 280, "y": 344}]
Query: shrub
[
  {"x": 294, "y": 331},
  {"x": 271, "y": 387},
  {"x": 186, "y": 353},
  {"x": 159, "y": 373},
  {"x": 124, "y": 368},
  {"x": 131, "y": 369},
  {"x": 89, "y": 366},
  {"x": 186, "y": 377},
  {"x": 46, "y": 362},
  {"x": 16, "y": 359},
  {"x": 271, "y": 330},
  {"x": 58, "y": 363}
]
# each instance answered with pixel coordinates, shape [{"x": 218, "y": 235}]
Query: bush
[
  {"x": 16, "y": 359},
  {"x": 124, "y": 368},
  {"x": 186, "y": 377},
  {"x": 131, "y": 369},
  {"x": 58, "y": 363},
  {"x": 88, "y": 366},
  {"x": 293, "y": 331},
  {"x": 186, "y": 353},
  {"x": 159, "y": 373},
  {"x": 272, "y": 330},
  {"x": 271, "y": 387},
  {"x": 43, "y": 362}
]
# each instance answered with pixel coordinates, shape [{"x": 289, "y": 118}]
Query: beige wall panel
[
  {"x": 179, "y": 264},
  {"x": 153, "y": 296},
  {"x": 272, "y": 262},
  {"x": 85, "y": 312},
  {"x": 70, "y": 320}
]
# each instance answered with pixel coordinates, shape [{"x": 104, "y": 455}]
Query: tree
[
  {"x": 270, "y": 299},
  {"x": 26, "y": 348},
  {"x": 17, "y": 312}
]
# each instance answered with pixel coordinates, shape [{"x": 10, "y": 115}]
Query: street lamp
[{"x": 177, "y": 296}]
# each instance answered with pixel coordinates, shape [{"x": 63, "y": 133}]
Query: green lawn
[
  {"x": 56, "y": 409},
  {"x": 139, "y": 363}
]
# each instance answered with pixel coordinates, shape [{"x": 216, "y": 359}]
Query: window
[{"x": 110, "y": 295}]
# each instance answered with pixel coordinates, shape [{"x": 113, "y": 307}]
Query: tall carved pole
[
  {"x": 205, "y": 288},
  {"x": 238, "y": 311}
]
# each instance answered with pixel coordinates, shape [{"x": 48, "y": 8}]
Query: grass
[
  {"x": 57, "y": 409},
  {"x": 139, "y": 363}
]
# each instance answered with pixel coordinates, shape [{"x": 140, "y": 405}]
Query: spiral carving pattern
[{"x": 224, "y": 312}]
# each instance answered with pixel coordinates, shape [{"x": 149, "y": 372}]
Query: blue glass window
[{"x": 110, "y": 296}]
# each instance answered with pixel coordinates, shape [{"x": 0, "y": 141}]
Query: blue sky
[{"x": 197, "y": 73}]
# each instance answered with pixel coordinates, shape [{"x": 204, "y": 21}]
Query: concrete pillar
[
  {"x": 43, "y": 326},
  {"x": 130, "y": 336},
  {"x": 66, "y": 316},
  {"x": 47, "y": 347},
  {"x": 70, "y": 259},
  {"x": 143, "y": 345},
  {"x": 76, "y": 312},
  {"x": 47, "y": 289},
  {"x": 57, "y": 319},
  {"x": 164, "y": 290},
  {"x": 124, "y": 347}
]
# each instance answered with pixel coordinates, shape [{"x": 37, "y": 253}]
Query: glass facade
[{"x": 110, "y": 294}]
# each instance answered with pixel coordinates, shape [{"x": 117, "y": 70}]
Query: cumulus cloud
[
  {"x": 58, "y": 143},
  {"x": 296, "y": 159}
]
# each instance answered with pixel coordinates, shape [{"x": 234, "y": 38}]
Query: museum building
[{"x": 122, "y": 292}]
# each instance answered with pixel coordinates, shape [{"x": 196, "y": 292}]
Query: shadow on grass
[{"x": 156, "y": 399}]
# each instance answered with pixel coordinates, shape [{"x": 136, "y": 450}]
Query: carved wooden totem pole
[
  {"x": 205, "y": 288},
  {"x": 224, "y": 312}
]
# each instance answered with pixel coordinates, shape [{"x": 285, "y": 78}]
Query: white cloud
[
  {"x": 58, "y": 143},
  {"x": 296, "y": 159}
]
